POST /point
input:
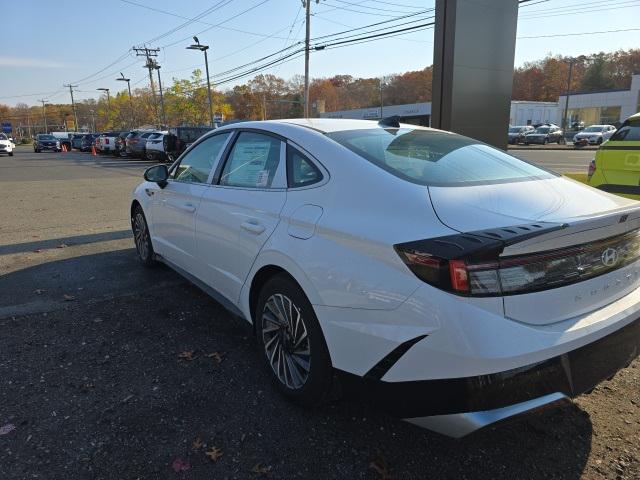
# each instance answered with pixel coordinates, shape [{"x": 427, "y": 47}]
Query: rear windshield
[
  {"x": 428, "y": 157},
  {"x": 515, "y": 129},
  {"x": 593, "y": 129},
  {"x": 542, "y": 130},
  {"x": 46, "y": 137}
]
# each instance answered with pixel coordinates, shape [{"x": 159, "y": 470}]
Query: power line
[
  {"x": 218, "y": 24},
  {"x": 582, "y": 33},
  {"x": 360, "y": 5},
  {"x": 578, "y": 12},
  {"x": 199, "y": 21}
]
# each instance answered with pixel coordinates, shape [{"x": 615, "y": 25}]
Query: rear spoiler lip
[
  {"x": 492, "y": 243},
  {"x": 619, "y": 221},
  {"x": 480, "y": 245}
]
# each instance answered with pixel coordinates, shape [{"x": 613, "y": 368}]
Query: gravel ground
[{"x": 166, "y": 384}]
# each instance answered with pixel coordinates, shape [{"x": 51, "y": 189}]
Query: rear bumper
[{"x": 567, "y": 375}]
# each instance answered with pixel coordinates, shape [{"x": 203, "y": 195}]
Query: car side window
[
  {"x": 252, "y": 162},
  {"x": 300, "y": 170},
  {"x": 628, "y": 132},
  {"x": 195, "y": 165}
]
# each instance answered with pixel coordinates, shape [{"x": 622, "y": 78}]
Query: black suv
[
  {"x": 179, "y": 138},
  {"x": 44, "y": 141}
]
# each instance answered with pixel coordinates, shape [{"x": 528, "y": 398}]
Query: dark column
[{"x": 473, "y": 57}]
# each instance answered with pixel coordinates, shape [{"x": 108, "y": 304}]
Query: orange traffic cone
[{"x": 93, "y": 150}]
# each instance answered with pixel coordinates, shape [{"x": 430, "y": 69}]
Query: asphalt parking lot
[{"x": 111, "y": 371}]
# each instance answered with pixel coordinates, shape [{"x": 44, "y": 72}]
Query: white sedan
[
  {"x": 6, "y": 145},
  {"x": 445, "y": 281},
  {"x": 594, "y": 135}
]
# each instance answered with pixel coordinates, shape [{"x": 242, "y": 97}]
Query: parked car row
[
  {"x": 139, "y": 143},
  {"x": 550, "y": 133}
]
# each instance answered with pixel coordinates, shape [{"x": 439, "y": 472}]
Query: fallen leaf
[
  {"x": 9, "y": 427},
  {"x": 260, "y": 469},
  {"x": 39, "y": 291},
  {"x": 214, "y": 454},
  {"x": 380, "y": 467},
  {"x": 187, "y": 355},
  {"x": 68, "y": 298},
  {"x": 62, "y": 245},
  {"x": 197, "y": 444},
  {"x": 180, "y": 465},
  {"x": 37, "y": 250},
  {"x": 217, "y": 356}
]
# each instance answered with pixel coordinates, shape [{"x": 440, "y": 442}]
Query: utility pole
[
  {"x": 568, "y": 93},
  {"x": 44, "y": 113},
  {"x": 381, "y": 102},
  {"x": 149, "y": 53},
  {"x": 307, "y": 5},
  {"x": 566, "y": 98},
  {"x": 164, "y": 118},
  {"x": 73, "y": 104}
]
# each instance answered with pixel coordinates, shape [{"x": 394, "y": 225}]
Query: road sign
[{"x": 6, "y": 127}]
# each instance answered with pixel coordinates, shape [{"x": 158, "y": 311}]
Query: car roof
[{"x": 324, "y": 125}]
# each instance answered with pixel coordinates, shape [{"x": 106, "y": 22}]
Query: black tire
[
  {"x": 316, "y": 384},
  {"x": 561, "y": 141},
  {"x": 141, "y": 238},
  {"x": 11, "y": 154},
  {"x": 545, "y": 141}
]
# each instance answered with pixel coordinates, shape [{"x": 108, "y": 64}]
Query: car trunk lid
[{"x": 582, "y": 218}]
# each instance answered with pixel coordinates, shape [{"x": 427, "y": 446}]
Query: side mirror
[{"x": 158, "y": 174}]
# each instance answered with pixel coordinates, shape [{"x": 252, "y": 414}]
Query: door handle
[
  {"x": 188, "y": 207},
  {"x": 253, "y": 227}
]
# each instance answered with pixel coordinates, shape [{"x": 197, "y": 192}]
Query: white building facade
[{"x": 607, "y": 107}]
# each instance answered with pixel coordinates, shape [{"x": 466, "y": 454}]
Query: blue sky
[{"x": 49, "y": 43}]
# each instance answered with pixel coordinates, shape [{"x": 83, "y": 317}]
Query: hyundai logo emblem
[{"x": 609, "y": 257}]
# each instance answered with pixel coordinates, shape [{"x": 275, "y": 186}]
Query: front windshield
[
  {"x": 593, "y": 129},
  {"x": 515, "y": 130},
  {"x": 46, "y": 137},
  {"x": 3, "y": 136},
  {"x": 431, "y": 157}
]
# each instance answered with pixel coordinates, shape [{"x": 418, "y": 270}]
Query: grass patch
[{"x": 582, "y": 178}]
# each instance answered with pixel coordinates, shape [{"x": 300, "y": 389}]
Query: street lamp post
[
  {"x": 108, "y": 104},
  {"x": 204, "y": 48},
  {"x": 128, "y": 80}
]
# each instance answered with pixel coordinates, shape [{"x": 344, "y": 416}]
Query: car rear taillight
[
  {"x": 482, "y": 271},
  {"x": 592, "y": 169}
]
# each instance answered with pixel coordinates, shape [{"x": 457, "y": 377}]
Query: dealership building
[{"x": 605, "y": 107}]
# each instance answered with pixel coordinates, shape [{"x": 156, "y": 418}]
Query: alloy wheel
[
  {"x": 141, "y": 235},
  {"x": 286, "y": 341}
]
